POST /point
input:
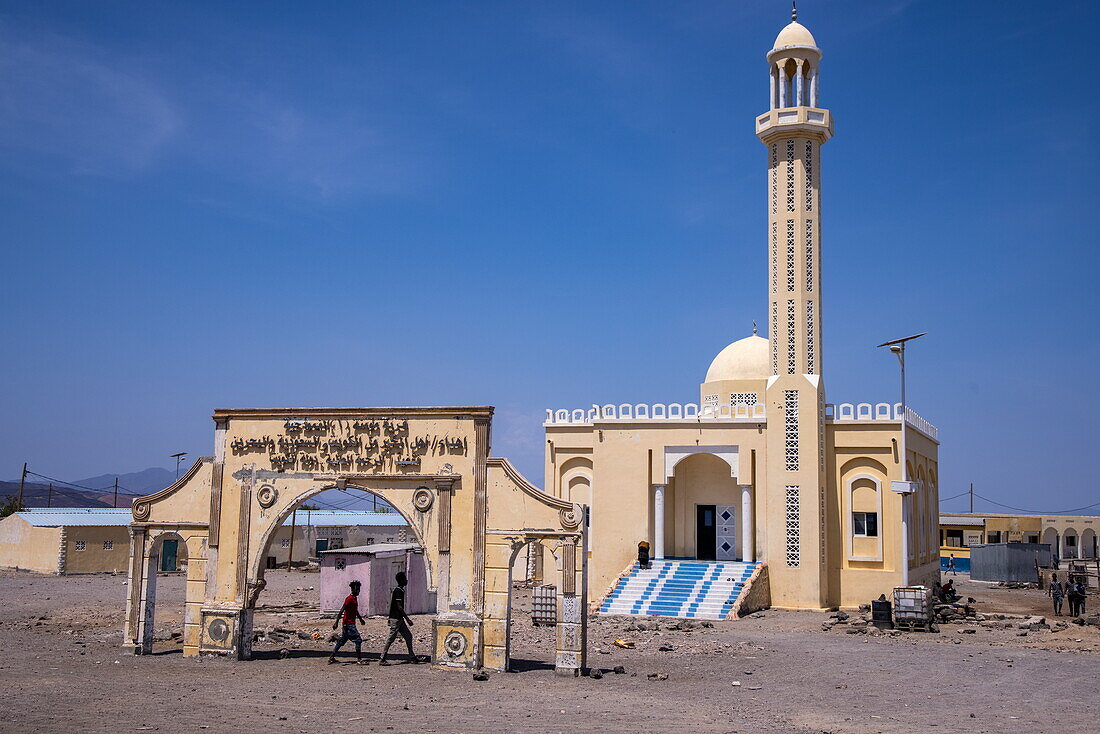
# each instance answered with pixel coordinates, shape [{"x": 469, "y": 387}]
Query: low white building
[{"x": 315, "y": 531}]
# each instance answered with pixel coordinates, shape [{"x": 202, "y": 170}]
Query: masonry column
[
  {"x": 659, "y": 522},
  {"x": 747, "y": 545}
]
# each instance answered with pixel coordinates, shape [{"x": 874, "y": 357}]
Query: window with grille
[
  {"x": 81, "y": 545},
  {"x": 809, "y": 255},
  {"x": 809, "y": 176},
  {"x": 793, "y": 552},
  {"x": 108, "y": 545},
  {"x": 791, "y": 327},
  {"x": 774, "y": 165},
  {"x": 790, "y": 429},
  {"x": 775, "y": 256},
  {"x": 773, "y": 338},
  {"x": 284, "y": 543},
  {"x": 790, "y": 175},
  {"x": 743, "y": 398},
  {"x": 790, "y": 255},
  {"x": 811, "y": 364}
]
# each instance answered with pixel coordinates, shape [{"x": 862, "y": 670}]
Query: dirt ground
[{"x": 61, "y": 665}]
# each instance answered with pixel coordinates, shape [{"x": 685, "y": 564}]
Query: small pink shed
[{"x": 375, "y": 567}]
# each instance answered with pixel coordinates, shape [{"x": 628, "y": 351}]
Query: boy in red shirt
[{"x": 349, "y": 612}]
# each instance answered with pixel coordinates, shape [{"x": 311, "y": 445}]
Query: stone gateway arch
[{"x": 471, "y": 514}]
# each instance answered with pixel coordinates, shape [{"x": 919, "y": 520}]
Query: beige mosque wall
[{"x": 862, "y": 463}]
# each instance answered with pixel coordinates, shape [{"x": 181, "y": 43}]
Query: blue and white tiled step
[{"x": 690, "y": 589}]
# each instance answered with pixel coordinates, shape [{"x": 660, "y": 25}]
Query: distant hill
[
  {"x": 38, "y": 493},
  {"x": 145, "y": 481}
]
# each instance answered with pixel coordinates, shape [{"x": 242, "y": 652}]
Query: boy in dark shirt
[
  {"x": 399, "y": 621},
  {"x": 349, "y": 612}
]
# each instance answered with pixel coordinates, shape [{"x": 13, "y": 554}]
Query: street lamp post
[
  {"x": 178, "y": 457},
  {"x": 904, "y": 487}
]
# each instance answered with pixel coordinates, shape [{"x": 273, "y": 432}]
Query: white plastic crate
[{"x": 912, "y": 604}]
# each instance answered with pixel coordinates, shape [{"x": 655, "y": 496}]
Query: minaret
[{"x": 793, "y": 131}]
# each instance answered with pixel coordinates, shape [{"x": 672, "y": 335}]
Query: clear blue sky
[{"x": 535, "y": 205}]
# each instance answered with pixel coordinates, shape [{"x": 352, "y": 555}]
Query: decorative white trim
[
  {"x": 675, "y": 454},
  {"x": 849, "y": 490},
  {"x": 659, "y": 413}
]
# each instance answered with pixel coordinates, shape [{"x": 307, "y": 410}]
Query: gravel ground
[{"x": 61, "y": 664}]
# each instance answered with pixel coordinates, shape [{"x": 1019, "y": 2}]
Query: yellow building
[
  {"x": 66, "y": 540},
  {"x": 762, "y": 468},
  {"x": 1069, "y": 536}
]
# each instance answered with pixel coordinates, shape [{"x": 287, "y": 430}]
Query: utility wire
[
  {"x": 1038, "y": 512},
  {"x": 62, "y": 481},
  {"x": 955, "y": 497}
]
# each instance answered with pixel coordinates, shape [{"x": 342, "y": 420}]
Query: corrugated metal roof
[
  {"x": 53, "y": 517},
  {"x": 955, "y": 520},
  {"x": 373, "y": 548},
  {"x": 347, "y": 517}
]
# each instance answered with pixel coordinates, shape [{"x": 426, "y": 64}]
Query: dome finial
[
  {"x": 794, "y": 9},
  {"x": 754, "y": 327}
]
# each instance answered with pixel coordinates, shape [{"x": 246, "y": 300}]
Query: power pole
[
  {"x": 293, "y": 524},
  {"x": 972, "y": 496},
  {"x": 22, "y": 478},
  {"x": 49, "y": 495},
  {"x": 114, "y": 502}
]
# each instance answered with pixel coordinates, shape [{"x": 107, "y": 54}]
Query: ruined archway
[
  {"x": 430, "y": 464},
  {"x": 544, "y": 548}
]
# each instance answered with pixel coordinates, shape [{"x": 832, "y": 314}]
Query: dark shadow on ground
[{"x": 522, "y": 665}]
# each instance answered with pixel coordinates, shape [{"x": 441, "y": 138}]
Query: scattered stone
[
  {"x": 757, "y": 615},
  {"x": 841, "y": 615},
  {"x": 967, "y": 631},
  {"x": 481, "y": 675},
  {"x": 596, "y": 674},
  {"x": 665, "y": 648},
  {"x": 736, "y": 684},
  {"x": 657, "y": 676},
  {"x": 284, "y": 653},
  {"x": 618, "y": 670}
]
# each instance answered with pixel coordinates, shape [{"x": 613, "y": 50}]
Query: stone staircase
[{"x": 688, "y": 589}]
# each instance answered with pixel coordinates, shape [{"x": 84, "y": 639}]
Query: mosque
[{"x": 823, "y": 505}]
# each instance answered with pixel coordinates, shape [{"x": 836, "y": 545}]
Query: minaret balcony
[{"x": 787, "y": 120}]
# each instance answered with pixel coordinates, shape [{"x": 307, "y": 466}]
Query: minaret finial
[
  {"x": 794, "y": 10},
  {"x": 754, "y": 327}
]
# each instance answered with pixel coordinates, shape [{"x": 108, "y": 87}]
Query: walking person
[
  {"x": 951, "y": 565},
  {"x": 399, "y": 620},
  {"x": 349, "y": 613},
  {"x": 1057, "y": 591},
  {"x": 1074, "y": 596},
  {"x": 1082, "y": 595}
]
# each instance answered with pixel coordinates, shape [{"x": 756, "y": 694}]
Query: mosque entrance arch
[{"x": 430, "y": 464}]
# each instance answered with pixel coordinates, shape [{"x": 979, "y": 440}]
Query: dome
[
  {"x": 795, "y": 34},
  {"x": 745, "y": 359}
]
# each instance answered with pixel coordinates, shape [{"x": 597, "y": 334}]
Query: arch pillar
[
  {"x": 659, "y": 522},
  {"x": 747, "y": 545}
]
